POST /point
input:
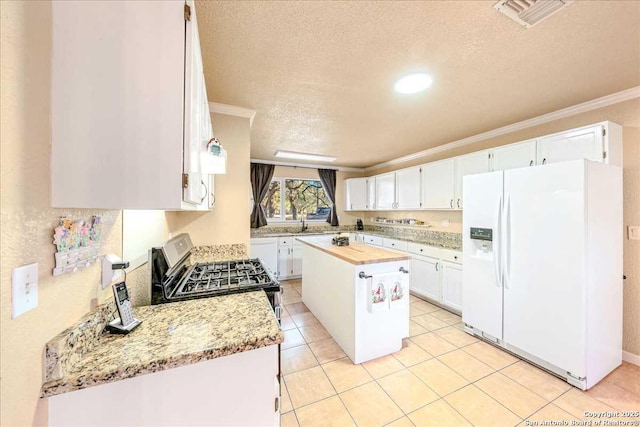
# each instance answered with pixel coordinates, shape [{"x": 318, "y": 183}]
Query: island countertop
[
  {"x": 355, "y": 253},
  {"x": 172, "y": 335}
]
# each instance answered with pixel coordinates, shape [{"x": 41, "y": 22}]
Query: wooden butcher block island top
[{"x": 355, "y": 253}]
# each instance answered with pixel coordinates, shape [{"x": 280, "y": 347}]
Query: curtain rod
[{"x": 307, "y": 166}]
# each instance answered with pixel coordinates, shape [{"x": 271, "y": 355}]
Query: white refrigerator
[{"x": 542, "y": 255}]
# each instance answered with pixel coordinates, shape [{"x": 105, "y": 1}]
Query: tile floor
[{"x": 441, "y": 377}]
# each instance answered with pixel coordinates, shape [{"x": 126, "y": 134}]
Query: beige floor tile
[
  {"x": 429, "y": 322},
  {"x": 438, "y": 414},
  {"x": 536, "y": 380},
  {"x": 459, "y": 326},
  {"x": 304, "y": 319},
  {"x": 401, "y": 422},
  {"x": 518, "y": 399},
  {"x": 455, "y": 336},
  {"x": 383, "y": 366},
  {"x": 425, "y": 306},
  {"x": 308, "y": 386},
  {"x": 345, "y": 375},
  {"x": 370, "y": 406},
  {"x": 446, "y": 316},
  {"x": 291, "y": 297},
  {"x": 296, "y": 359},
  {"x": 415, "y": 329},
  {"x": 466, "y": 365},
  {"x": 411, "y": 354},
  {"x": 415, "y": 311},
  {"x": 413, "y": 298},
  {"x": 327, "y": 350},
  {"x": 439, "y": 377},
  {"x": 615, "y": 396},
  {"x": 286, "y": 323},
  {"x": 626, "y": 376},
  {"x": 288, "y": 420},
  {"x": 296, "y": 308},
  {"x": 407, "y": 391},
  {"x": 480, "y": 409},
  {"x": 285, "y": 400},
  {"x": 292, "y": 338},
  {"x": 490, "y": 355},
  {"x": 549, "y": 413},
  {"x": 433, "y": 344},
  {"x": 314, "y": 332},
  {"x": 284, "y": 313},
  {"x": 577, "y": 402},
  {"x": 325, "y": 413}
]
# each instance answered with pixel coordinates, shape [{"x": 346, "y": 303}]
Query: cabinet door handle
[
  {"x": 451, "y": 203},
  {"x": 404, "y": 270},
  {"x": 458, "y": 203},
  {"x": 206, "y": 190},
  {"x": 544, "y": 161},
  {"x": 531, "y": 163},
  {"x": 437, "y": 267}
]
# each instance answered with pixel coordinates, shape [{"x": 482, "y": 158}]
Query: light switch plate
[
  {"x": 633, "y": 232},
  {"x": 24, "y": 289},
  {"x": 445, "y": 222}
]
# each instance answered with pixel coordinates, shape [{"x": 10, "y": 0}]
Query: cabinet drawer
[
  {"x": 372, "y": 240},
  {"x": 425, "y": 250},
  {"x": 398, "y": 245},
  {"x": 285, "y": 241},
  {"x": 452, "y": 256}
]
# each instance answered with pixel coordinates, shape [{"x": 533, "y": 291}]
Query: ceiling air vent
[{"x": 530, "y": 12}]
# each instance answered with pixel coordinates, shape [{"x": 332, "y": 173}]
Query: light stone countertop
[
  {"x": 173, "y": 335},
  {"x": 355, "y": 253}
]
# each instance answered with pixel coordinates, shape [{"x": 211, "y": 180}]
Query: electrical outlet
[
  {"x": 633, "y": 232},
  {"x": 24, "y": 287},
  {"x": 445, "y": 222}
]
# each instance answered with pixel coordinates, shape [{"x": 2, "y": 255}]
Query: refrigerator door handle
[
  {"x": 507, "y": 252},
  {"x": 496, "y": 243}
]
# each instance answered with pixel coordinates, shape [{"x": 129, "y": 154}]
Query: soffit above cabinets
[{"x": 320, "y": 74}]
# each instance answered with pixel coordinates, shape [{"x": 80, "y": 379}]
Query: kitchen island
[
  {"x": 359, "y": 293},
  {"x": 209, "y": 361}
]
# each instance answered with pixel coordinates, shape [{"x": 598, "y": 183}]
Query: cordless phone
[{"x": 126, "y": 323}]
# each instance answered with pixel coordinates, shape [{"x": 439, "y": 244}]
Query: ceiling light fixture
[
  {"x": 413, "y": 83},
  {"x": 304, "y": 156}
]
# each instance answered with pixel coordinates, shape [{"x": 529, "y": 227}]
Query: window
[{"x": 293, "y": 199}]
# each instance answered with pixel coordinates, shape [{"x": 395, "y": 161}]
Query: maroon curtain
[{"x": 261, "y": 176}]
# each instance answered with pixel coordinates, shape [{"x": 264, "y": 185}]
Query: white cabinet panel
[
  {"x": 356, "y": 194},
  {"x": 267, "y": 250},
  {"x": 408, "y": 185},
  {"x": 437, "y": 184},
  {"x": 385, "y": 191},
  {"x": 520, "y": 155},
  {"x": 587, "y": 143},
  {"x": 371, "y": 193},
  {"x": 425, "y": 277},
  {"x": 296, "y": 259},
  {"x": 452, "y": 285},
  {"x": 372, "y": 240},
  {"x": 469, "y": 164},
  {"x": 398, "y": 245}
]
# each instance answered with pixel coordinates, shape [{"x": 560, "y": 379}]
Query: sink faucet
[{"x": 304, "y": 227}]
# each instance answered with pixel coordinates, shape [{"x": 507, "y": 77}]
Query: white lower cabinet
[
  {"x": 451, "y": 275},
  {"x": 267, "y": 250},
  {"x": 282, "y": 255},
  {"x": 425, "y": 277}
]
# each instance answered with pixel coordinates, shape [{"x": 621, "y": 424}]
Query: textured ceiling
[{"x": 320, "y": 74}]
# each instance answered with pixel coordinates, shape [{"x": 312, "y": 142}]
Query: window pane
[
  {"x": 305, "y": 197},
  {"x": 271, "y": 203}
]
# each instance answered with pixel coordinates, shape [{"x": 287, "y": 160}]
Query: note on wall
[{"x": 142, "y": 230}]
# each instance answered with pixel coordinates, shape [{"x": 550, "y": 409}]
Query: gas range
[{"x": 175, "y": 278}]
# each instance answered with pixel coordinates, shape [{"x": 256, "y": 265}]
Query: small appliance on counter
[
  {"x": 341, "y": 239},
  {"x": 359, "y": 225}
]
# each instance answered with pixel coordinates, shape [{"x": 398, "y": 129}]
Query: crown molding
[
  {"x": 308, "y": 166},
  {"x": 594, "y": 104},
  {"x": 232, "y": 110}
]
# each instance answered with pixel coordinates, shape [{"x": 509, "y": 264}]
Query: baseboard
[{"x": 631, "y": 358}]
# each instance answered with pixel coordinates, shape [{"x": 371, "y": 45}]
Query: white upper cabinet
[
  {"x": 385, "y": 191},
  {"x": 408, "y": 188},
  {"x": 121, "y": 74},
  {"x": 356, "y": 194},
  {"x": 438, "y": 184},
  {"x": 371, "y": 192},
  {"x": 520, "y": 155},
  {"x": 469, "y": 164},
  {"x": 587, "y": 142}
]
